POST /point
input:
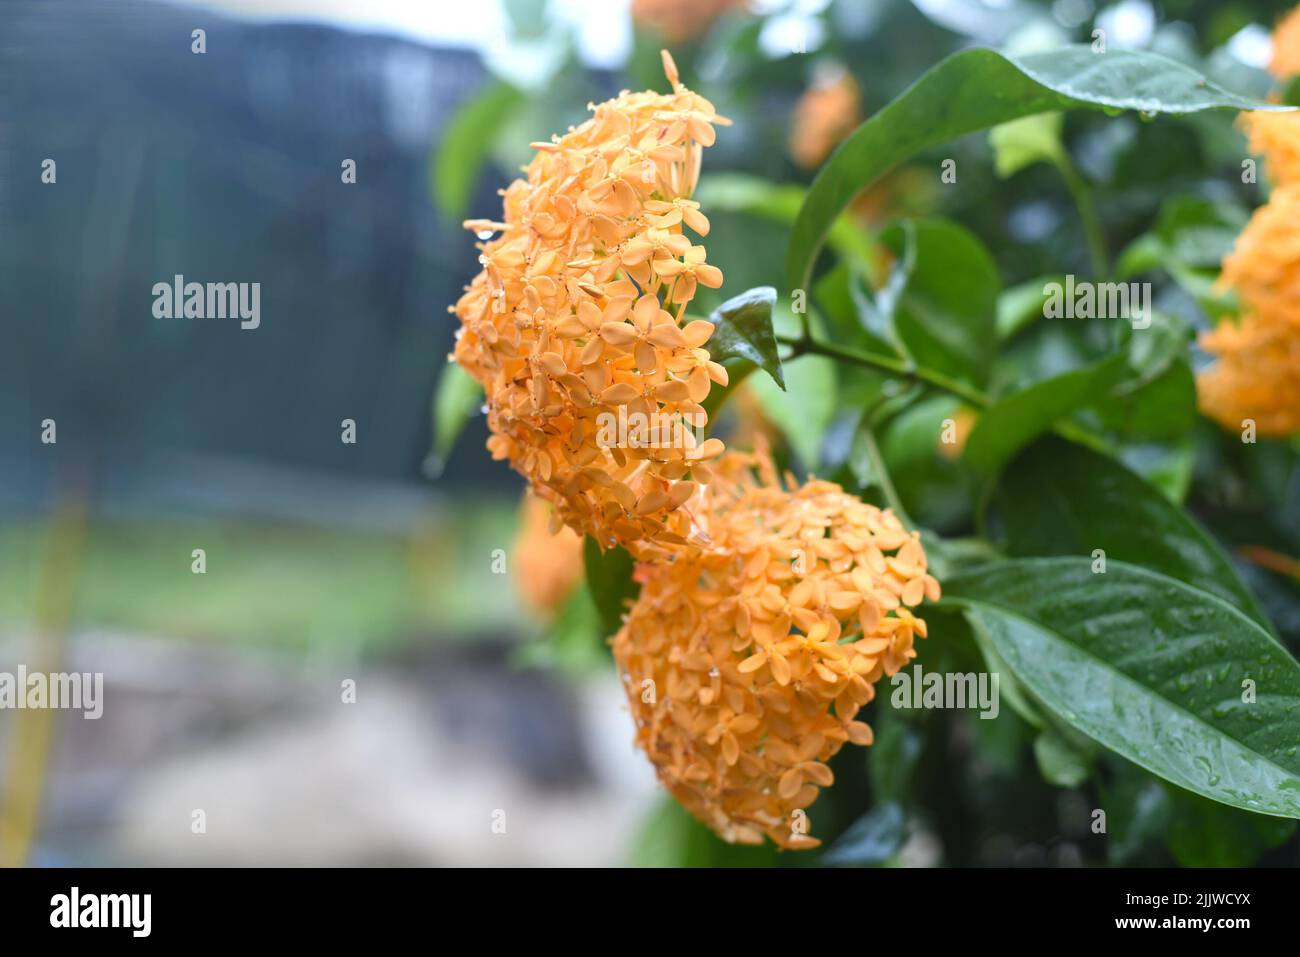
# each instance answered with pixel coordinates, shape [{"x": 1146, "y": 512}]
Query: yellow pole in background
[{"x": 33, "y": 730}]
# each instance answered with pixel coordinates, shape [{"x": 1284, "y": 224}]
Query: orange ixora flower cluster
[
  {"x": 746, "y": 663},
  {"x": 548, "y": 556},
  {"x": 1257, "y": 377},
  {"x": 1275, "y": 136},
  {"x": 768, "y": 610},
  {"x": 578, "y": 318}
]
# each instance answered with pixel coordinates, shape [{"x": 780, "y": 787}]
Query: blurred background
[{"x": 396, "y": 561}]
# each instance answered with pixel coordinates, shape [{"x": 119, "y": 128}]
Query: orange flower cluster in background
[
  {"x": 746, "y": 663},
  {"x": 825, "y": 114},
  {"x": 681, "y": 20},
  {"x": 548, "y": 556},
  {"x": 953, "y": 442},
  {"x": 1286, "y": 46},
  {"x": 1257, "y": 376},
  {"x": 1275, "y": 136},
  {"x": 1264, "y": 265},
  {"x": 579, "y": 315}
]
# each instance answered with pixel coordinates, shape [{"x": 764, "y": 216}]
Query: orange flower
[
  {"x": 680, "y": 20},
  {"x": 825, "y": 114},
  {"x": 1286, "y": 46},
  {"x": 579, "y": 316},
  {"x": 1264, "y": 265},
  {"x": 746, "y": 663},
  {"x": 963, "y": 421},
  {"x": 548, "y": 557},
  {"x": 1277, "y": 137},
  {"x": 1257, "y": 376}
]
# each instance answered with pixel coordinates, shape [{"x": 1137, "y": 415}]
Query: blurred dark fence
[{"x": 221, "y": 167}]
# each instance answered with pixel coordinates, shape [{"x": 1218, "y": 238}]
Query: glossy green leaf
[
  {"x": 977, "y": 89},
  {"x": 465, "y": 145},
  {"x": 775, "y": 202},
  {"x": 1202, "y": 833},
  {"x": 804, "y": 412},
  {"x": 943, "y": 307},
  {"x": 1014, "y": 421},
  {"x": 609, "y": 578},
  {"x": 573, "y": 642},
  {"x": 1155, "y": 406},
  {"x": 894, "y": 755},
  {"x": 1059, "y": 498},
  {"x": 1189, "y": 241},
  {"x": 738, "y": 370},
  {"x": 933, "y": 487},
  {"x": 1291, "y": 92},
  {"x": 457, "y": 396},
  {"x": 1009, "y": 687},
  {"x": 744, "y": 332},
  {"x": 672, "y": 837},
  {"x": 849, "y": 310},
  {"x": 1152, "y": 669},
  {"x": 1059, "y": 762},
  {"x": 1137, "y": 810},
  {"x": 1021, "y": 305},
  {"x": 1026, "y": 141}
]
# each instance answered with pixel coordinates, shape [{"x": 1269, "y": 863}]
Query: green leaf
[
  {"x": 672, "y": 837},
  {"x": 1145, "y": 253},
  {"x": 1152, "y": 669},
  {"x": 1009, "y": 686},
  {"x": 744, "y": 331},
  {"x": 465, "y": 145},
  {"x": 775, "y": 202},
  {"x": 1020, "y": 306},
  {"x": 454, "y": 401},
  {"x": 738, "y": 370},
  {"x": 1189, "y": 241},
  {"x": 609, "y": 578},
  {"x": 1157, "y": 404},
  {"x": 876, "y": 309},
  {"x": 1204, "y": 834},
  {"x": 1058, "y": 761},
  {"x": 1058, "y": 498},
  {"x": 933, "y": 488},
  {"x": 1291, "y": 92},
  {"x": 976, "y": 89},
  {"x": 1014, "y": 421},
  {"x": 849, "y": 310},
  {"x": 573, "y": 642},
  {"x": 805, "y": 411},
  {"x": 871, "y": 841},
  {"x": 894, "y": 755},
  {"x": 944, "y": 306},
  {"x": 1167, "y": 466},
  {"x": 1026, "y": 141},
  {"x": 1137, "y": 811}
]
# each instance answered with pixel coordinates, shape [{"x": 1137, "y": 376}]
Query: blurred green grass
[{"x": 283, "y": 584}]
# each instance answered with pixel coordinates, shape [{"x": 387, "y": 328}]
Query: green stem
[
  {"x": 907, "y": 370},
  {"x": 880, "y": 473},
  {"x": 890, "y": 364},
  {"x": 1082, "y": 195},
  {"x": 805, "y": 325}
]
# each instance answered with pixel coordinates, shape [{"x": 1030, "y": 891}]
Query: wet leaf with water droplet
[{"x": 1180, "y": 711}]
